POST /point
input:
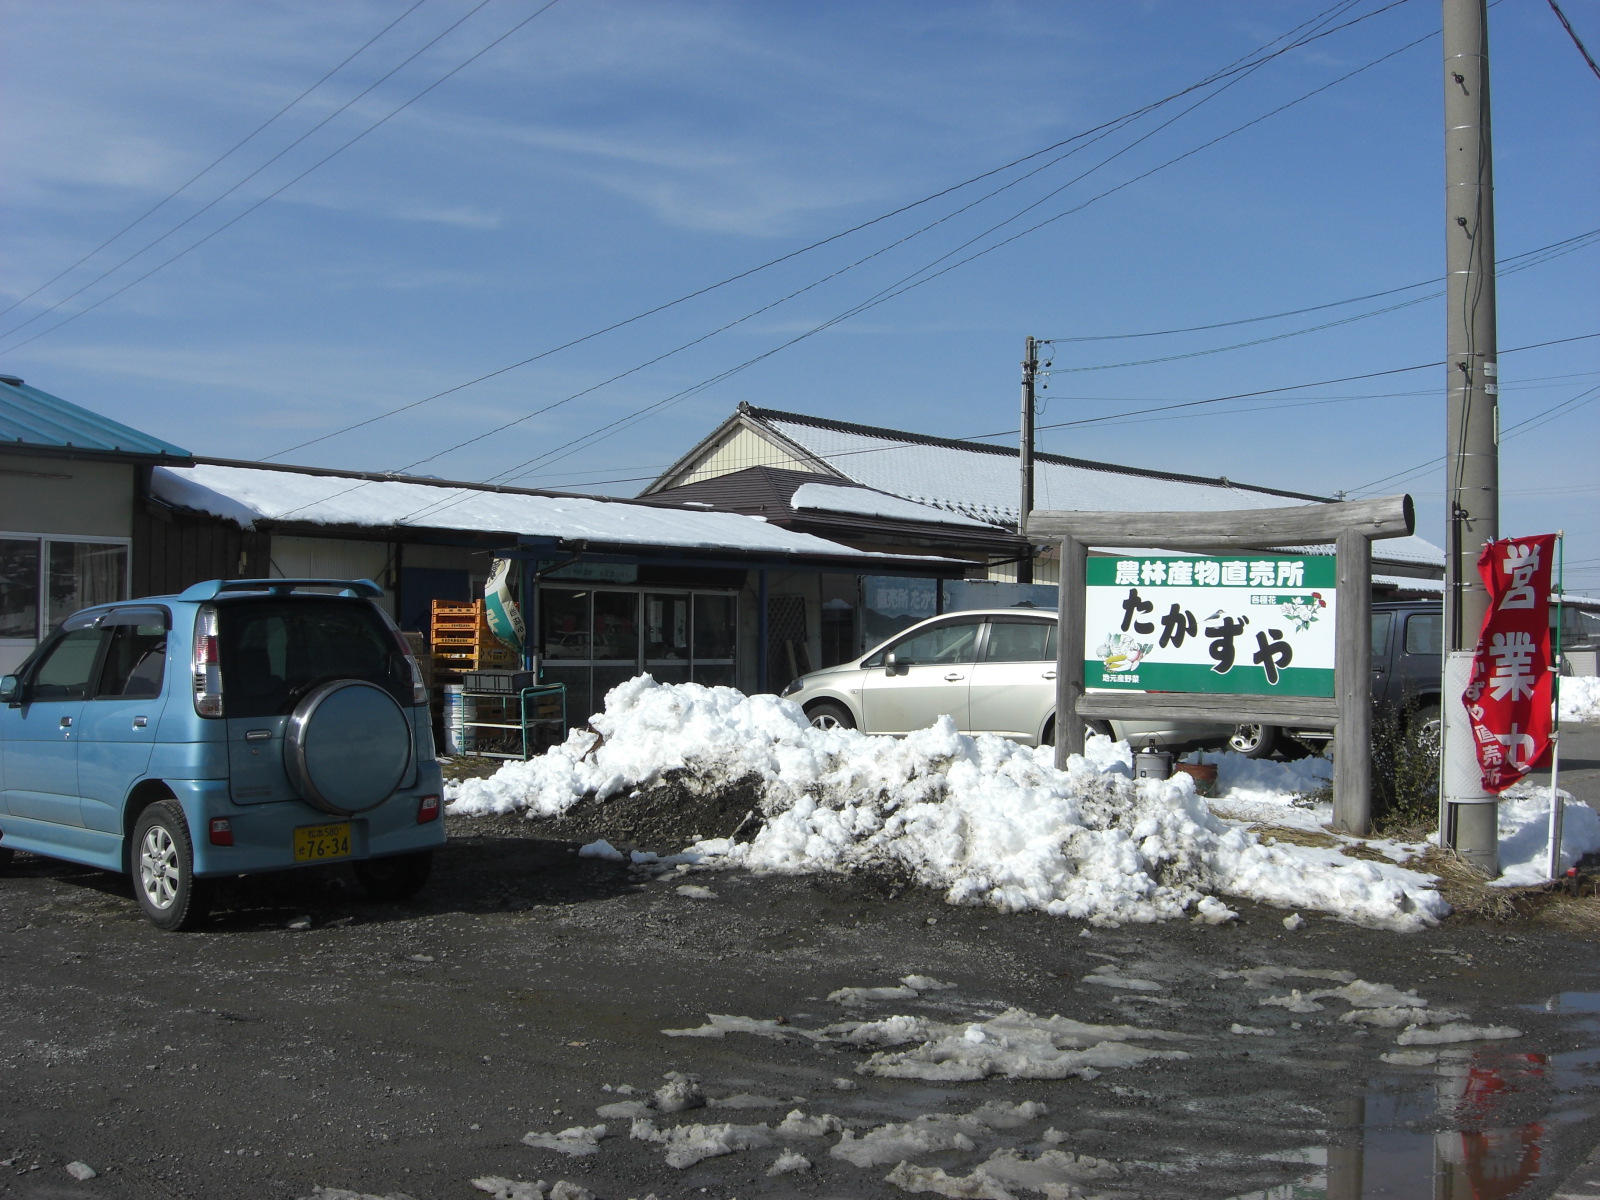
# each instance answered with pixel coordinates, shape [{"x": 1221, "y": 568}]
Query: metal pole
[
  {"x": 1030, "y": 365},
  {"x": 1471, "y": 413}
]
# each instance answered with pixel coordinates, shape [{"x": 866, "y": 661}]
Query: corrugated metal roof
[{"x": 34, "y": 418}]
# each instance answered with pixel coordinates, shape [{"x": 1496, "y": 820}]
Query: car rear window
[{"x": 274, "y": 651}]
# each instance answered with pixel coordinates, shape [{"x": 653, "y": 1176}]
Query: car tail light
[
  {"x": 221, "y": 831},
  {"x": 207, "y": 664},
  {"x": 427, "y": 809}
]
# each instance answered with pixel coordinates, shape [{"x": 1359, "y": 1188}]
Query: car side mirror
[
  {"x": 891, "y": 665},
  {"x": 10, "y": 690}
]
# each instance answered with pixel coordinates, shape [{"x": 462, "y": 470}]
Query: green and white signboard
[{"x": 1257, "y": 626}]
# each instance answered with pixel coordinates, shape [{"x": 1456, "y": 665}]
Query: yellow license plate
[{"x": 313, "y": 843}]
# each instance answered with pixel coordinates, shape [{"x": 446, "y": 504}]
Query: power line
[
  {"x": 656, "y": 469},
  {"x": 1573, "y": 34},
  {"x": 278, "y": 191},
  {"x": 1514, "y": 263},
  {"x": 183, "y": 187},
  {"x": 905, "y": 284},
  {"x": 1572, "y": 404},
  {"x": 1246, "y": 63}
]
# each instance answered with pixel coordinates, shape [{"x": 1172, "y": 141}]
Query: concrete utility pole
[
  {"x": 1030, "y": 367},
  {"x": 1470, "y": 816}
]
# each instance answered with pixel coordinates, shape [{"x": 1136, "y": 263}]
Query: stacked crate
[{"x": 461, "y": 640}]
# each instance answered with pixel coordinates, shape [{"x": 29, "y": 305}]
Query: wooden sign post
[{"x": 1351, "y": 526}]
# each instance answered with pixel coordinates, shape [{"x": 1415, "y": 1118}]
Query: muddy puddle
[{"x": 1458, "y": 1128}]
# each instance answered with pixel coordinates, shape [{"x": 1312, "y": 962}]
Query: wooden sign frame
[{"x": 1352, "y": 526}]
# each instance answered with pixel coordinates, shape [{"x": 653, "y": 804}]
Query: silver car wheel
[
  {"x": 826, "y": 720},
  {"x": 158, "y": 867}
]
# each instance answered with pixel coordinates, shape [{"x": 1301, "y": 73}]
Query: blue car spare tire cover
[{"x": 347, "y": 746}]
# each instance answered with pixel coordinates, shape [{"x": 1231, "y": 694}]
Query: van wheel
[
  {"x": 1253, "y": 741},
  {"x": 1428, "y": 721},
  {"x": 396, "y": 878},
  {"x": 163, "y": 869},
  {"x": 828, "y": 715}
]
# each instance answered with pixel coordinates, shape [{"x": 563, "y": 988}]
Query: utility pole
[
  {"x": 1030, "y": 367},
  {"x": 1469, "y": 815}
]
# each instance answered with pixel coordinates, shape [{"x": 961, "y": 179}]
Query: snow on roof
[
  {"x": 975, "y": 480},
  {"x": 860, "y": 501},
  {"x": 981, "y": 482},
  {"x": 248, "y": 494}
]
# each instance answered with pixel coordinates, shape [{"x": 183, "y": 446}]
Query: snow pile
[
  {"x": 981, "y": 818},
  {"x": 1580, "y": 698},
  {"x": 1525, "y": 834}
]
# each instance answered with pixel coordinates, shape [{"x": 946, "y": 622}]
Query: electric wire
[
  {"x": 1572, "y": 404},
  {"x": 214, "y": 163},
  {"x": 1239, "y": 65},
  {"x": 1509, "y": 269},
  {"x": 906, "y": 284},
  {"x": 556, "y": 454},
  {"x": 277, "y": 191},
  {"x": 1505, "y": 266},
  {"x": 1576, "y": 41}
]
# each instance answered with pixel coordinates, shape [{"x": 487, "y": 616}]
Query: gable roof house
[{"x": 815, "y": 472}]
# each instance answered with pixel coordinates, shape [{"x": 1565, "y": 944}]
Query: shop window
[
  {"x": 19, "y": 588},
  {"x": 666, "y": 627},
  {"x": 564, "y": 621},
  {"x": 714, "y": 629},
  {"x": 45, "y": 580},
  {"x": 616, "y": 627}
]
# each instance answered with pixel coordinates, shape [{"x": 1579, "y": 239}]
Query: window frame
[{"x": 43, "y": 542}]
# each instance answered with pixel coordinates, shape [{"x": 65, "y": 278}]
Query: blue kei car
[{"x": 242, "y": 726}]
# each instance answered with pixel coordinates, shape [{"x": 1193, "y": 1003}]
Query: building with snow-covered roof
[
  {"x": 971, "y": 481},
  {"x": 611, "y": 588}
]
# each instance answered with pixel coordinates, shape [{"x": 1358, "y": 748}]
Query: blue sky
[{"x": 607, "y": 158}]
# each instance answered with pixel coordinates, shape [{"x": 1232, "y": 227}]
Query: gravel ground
[{"x": 407, "y": 1049}]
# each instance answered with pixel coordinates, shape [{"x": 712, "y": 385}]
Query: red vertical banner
[{"x": 1508, "y": 698}]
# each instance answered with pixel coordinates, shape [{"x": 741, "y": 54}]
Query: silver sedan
[{"x": 989, "y": 670}]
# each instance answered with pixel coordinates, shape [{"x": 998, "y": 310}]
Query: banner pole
[{"x": 1557, "y": 809}]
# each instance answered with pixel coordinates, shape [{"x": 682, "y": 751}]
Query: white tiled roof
[
  {"x": 977, "y": 483},
  {"x": 985, "y": 485}
]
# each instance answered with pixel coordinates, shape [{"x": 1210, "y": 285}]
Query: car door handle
[
  {"x": 954, "y": 678},
  {"x": 140, "y": 722},
  {"x": 66, "y": 722},
  {"x": 1048, "y": 675}
]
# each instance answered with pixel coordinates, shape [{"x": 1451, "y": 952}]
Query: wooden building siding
[
  {"x": 173, "y": 550},
  {"x": 742, "y": 448}
]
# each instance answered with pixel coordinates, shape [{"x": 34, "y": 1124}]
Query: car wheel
[
  {"x": 163, "y": 869},
  {"x": 828, "y": 715},
  {"x": 396, "y": 878},
  {"x": 1253, "y": 741},
  {"x": 1428, "y": 721},
  {"x": 5, "y": 857}
]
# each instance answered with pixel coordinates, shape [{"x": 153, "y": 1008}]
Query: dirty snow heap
[{"x": 983, "y": 819}]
